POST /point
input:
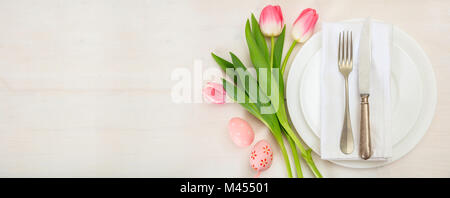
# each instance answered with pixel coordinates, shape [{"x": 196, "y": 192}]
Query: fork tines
[{"x": 345, "y": 48}]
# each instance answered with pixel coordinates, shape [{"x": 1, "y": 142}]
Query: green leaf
[
  {"x": 281, "y": 113},
  {"x": 270, "y": 120},
  {"x": 278, "y": 50},
  {"x": 257, "y": 58},
  {"x": 222, "y": 62},
  {"x": 224, "y": 65},
  {"x": 246, "y": 80},
  {"x": 256, "y": 55},
  {"x": 242, "y": 78},
  {"x": 235, "y": 92},
  {"x": 236, "y": 62},
  {"x": 259, "y": 38}
]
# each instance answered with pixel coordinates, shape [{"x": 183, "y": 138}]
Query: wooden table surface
[{"x": 85, "y": 87}]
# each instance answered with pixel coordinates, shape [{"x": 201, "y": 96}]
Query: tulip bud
[
  {"x": 214, "y": 93},
  {"x": 303, "y": 27},
  {"x": 271, "y": 21}
]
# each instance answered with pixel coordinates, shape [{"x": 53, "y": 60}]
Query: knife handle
[{"x": 365, "y": 146}]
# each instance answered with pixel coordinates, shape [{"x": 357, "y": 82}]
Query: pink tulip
[
  {"x": 271, "y": 21},
  {"x": 303, "y": 27},
  {"x": 214, "y": 93}
]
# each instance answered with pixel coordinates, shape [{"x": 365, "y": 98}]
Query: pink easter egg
[
  {"x": 240, "y": 132},
  {"x": 261, "y": 156}
]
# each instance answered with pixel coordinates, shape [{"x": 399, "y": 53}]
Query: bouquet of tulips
[{"x": 263, "y": 96}]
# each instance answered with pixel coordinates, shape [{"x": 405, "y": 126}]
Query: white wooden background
[{"x": 85, "y": 86}]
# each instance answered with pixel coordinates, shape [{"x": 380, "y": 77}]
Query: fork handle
[
  {"x": 346, "y": 142},
  {"x": 365, "y": 146}
]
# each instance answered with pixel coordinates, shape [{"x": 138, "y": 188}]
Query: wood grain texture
[{"x": 85, "y": 87}]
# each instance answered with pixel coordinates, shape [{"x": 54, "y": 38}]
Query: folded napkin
[{"x": 332, "y": 92}]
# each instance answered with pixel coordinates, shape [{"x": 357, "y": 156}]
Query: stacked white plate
[{"x": 413, "y": 92}]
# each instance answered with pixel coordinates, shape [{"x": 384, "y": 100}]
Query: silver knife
[{"x": 364, "y": 64}]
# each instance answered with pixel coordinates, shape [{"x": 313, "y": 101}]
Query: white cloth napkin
[{"x": 333, "y": 98}]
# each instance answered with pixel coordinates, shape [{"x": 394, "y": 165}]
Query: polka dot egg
[{"x": 261, "y": 156}]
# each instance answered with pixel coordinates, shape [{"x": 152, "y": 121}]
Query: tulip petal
[
  {"x": 271, "y": 20},
  {"x": 214, "y": 93},
  {"x": 303, "y": 27}
]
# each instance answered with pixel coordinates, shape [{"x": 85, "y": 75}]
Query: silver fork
[{"x": 345, "y": 63}]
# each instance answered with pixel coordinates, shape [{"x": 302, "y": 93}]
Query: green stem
[
  {"x": 272, "y": 47},
  {"x": 295, "y": 154},
  {"x": 285, "y": 157},
  {"x": 312, "y": 165},
  {"x": 306, "y": 154},
  {"x": 286, "y": 58},
  {"x": 280, "y": 141}
]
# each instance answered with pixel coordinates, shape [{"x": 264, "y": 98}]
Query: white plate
[{"x": 413, "y": 93}]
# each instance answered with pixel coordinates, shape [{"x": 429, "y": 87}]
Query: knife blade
[
  {"x": 365, "y": 58},
  {"x": 364, "y": 65}
]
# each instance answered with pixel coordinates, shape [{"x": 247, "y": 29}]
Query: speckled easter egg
[
  {"x": 261, "y": 156},
  {"x": 240, "y": 132}
]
